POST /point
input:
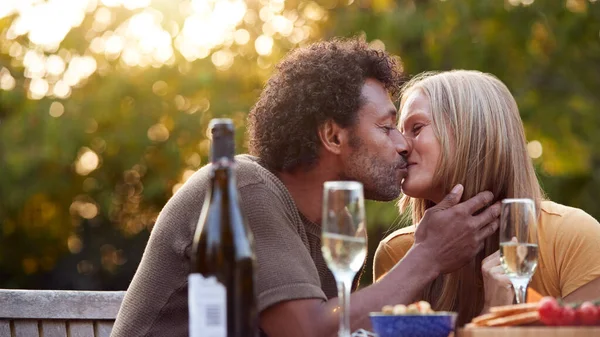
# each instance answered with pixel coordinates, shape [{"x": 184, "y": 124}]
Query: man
[{"x": 326, "y": 114}]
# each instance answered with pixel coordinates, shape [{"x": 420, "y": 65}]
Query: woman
[{"x": 464, "y": 127}]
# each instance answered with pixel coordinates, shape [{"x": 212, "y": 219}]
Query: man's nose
[{"x": 403, "y": 145}]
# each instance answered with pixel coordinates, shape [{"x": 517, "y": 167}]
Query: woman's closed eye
[{"x": 416, "y": 129}]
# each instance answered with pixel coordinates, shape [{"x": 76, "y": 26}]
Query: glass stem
[
  {"x": 344, "y": 286},
  {"x": 520, "y": 287}
]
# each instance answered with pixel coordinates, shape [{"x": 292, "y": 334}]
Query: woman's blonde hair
[{"x": 483, "y": 147}]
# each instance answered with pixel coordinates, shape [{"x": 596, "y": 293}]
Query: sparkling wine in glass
[
  {"x": 343, "y": 241},
  {"x": 518, "y": 243}
]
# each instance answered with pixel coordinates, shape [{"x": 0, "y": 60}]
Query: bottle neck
[
  {"x": 223, "y": 174},
  {"x": 223, "y": 149}
]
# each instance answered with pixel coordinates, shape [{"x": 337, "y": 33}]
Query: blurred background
[{"x": 104, "y": 106}]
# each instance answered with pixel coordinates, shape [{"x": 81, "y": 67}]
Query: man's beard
[{"x": 380, "y": 180}]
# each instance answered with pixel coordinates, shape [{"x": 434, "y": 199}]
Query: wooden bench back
[{"x": 58, "y": 313}]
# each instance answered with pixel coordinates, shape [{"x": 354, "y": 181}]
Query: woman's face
[{"x": 416, "y": 124}]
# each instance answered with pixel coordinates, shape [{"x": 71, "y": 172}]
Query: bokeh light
[
  {"x": 7, "y": 82},
  {"x": 56, "y": 109},
  {"x": 217, "y": 30},
  {"x": 534, "y": 148},
  {"x": 87, "y": 161}
]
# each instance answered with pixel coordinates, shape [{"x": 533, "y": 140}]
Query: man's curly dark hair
[{"x": 312, "y": 85}]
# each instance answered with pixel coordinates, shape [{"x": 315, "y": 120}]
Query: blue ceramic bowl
[{"x": 438, "y": 324}]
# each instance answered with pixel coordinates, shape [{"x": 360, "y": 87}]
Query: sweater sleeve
[
  {"x": 285, "y": 270},
  {"x": 155, "y": 303}
]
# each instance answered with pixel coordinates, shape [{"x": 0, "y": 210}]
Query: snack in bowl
[{"x": 413, "y": 320}]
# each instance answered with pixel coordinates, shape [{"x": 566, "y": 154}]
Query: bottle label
[{"x": 207, "y": 304}]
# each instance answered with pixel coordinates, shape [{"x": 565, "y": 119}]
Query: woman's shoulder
[
  {"x": 569, "y": 237},
  {"x": 401, "y": 238},
  {"x": 551, "y": 210},
  {"x": 557, "y": 218},
  {"x": 391, "y": 250}
]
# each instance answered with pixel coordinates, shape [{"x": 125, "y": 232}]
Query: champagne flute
[
  {"x": 343, "y": 241},
  {"x": 518, "y": 243}
]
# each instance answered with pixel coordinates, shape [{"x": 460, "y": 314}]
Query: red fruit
[
  {"x": 550, "y": 311},
  {"x": 587, "y": 314},
  {"x": 568, "y": 316}
]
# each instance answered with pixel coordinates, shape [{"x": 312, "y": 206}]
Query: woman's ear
[{"x": 332, "y": 136}]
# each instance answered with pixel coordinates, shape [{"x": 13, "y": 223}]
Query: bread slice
[
  {"x": 512, "y": 320},
  {"x": 515, "y": 308}
]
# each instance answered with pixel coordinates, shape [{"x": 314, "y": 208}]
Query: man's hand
[
  {"x": 448, "y": 237},
  {"x": 451, "y": 235}
]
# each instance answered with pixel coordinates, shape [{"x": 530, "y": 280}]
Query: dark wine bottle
[{"x": 221, "y": 294}]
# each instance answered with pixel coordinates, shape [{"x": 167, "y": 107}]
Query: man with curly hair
[{"x": 325, "y": 114}]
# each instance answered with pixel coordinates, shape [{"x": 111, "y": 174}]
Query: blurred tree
[
  {"x": 104, "y": 106},
  {"x": 103, "y": 116}
]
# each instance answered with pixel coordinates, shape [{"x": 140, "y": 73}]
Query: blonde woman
[{"x": 464, "y": 127}]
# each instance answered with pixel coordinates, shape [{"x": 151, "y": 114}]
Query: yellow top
[{"x": 569, "y": 250}]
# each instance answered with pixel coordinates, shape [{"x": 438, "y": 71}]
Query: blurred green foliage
[{"x": 83, "y": 178}]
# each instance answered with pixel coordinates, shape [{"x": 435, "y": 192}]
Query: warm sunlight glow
[
  {"x": 522, "y": 2},
  {"x": 55, "y": 65},
  {"x": 87, "y": 161},
  {"x": 222, "y": 59},
  {"x": 7, "y": 82},
  {"x": 45, "y": 22},
  {"x": 111, "y": 3},
  {"x": 194, "y": 160},
  {"x": 263, "y": 45},
  {"x": 186, "y": 175},
  {"x": 74, "y": 244},
  {"x": 56, "y": 109},
  {"x": 38, "y": 88},
  {"x": 88, "y": 210},
  {"x": 241, "y": 36},
  {"x": 160, "y": 88},
  {"x": 142, "y": 35},
  {"x": 176, "y": 187},
  {"x": 102, "y": 19},
  {"x": 134, "y": 4},
  {"x": 534, "y": 148},
  {"x": 158, "y": 133},
  {"x": 114, "y": 45},
  {"x": 135, "y": 34},
  {"x": 211, "y": 24},
  {"x": 313, "y": 11},
  {"x": 283, "y": 25},
  {"x": 61, "y": 89},
  {"x": 34, "y": 63}
]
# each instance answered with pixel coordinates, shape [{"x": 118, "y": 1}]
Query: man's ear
[{"x": 333, "y": 137}]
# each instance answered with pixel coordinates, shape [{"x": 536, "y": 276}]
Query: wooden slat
[
  {"x": 81, "y": 329},
  {"x": 26, "y": 328},
  {"x": 103, "y": 328},
  {"x": 60, "y": 304},
  {"x": 54, "y": 329},
  {"x": 5, "y": 328}
]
